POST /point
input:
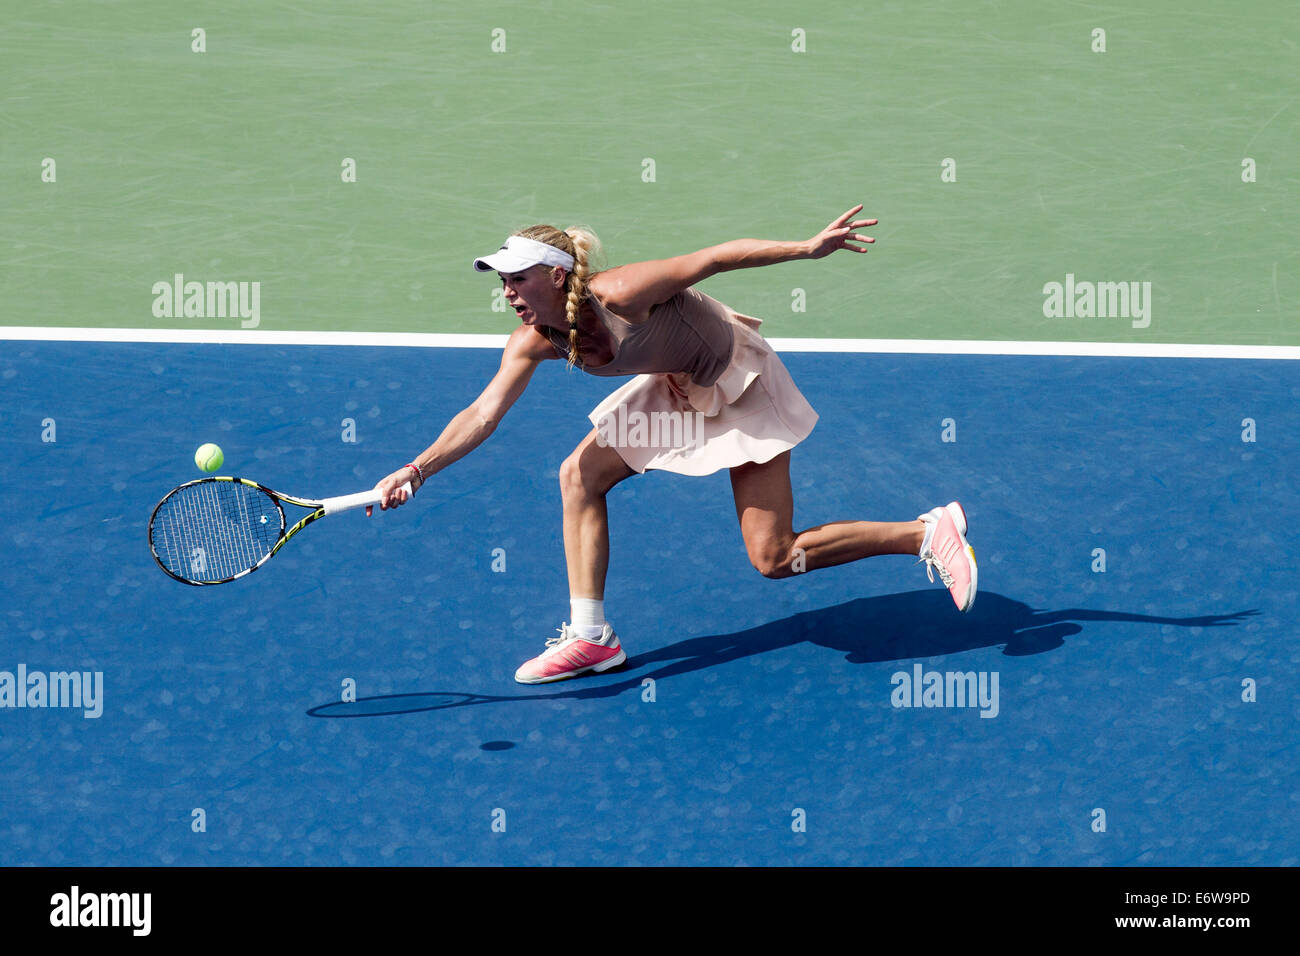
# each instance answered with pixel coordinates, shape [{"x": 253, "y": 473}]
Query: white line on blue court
[{"x": 458, "y": 341}]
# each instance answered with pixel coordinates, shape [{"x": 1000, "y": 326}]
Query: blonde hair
[{"x": 581, "y": 243}]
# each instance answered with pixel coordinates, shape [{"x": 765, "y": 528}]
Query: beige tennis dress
[{"x": 709, "y": 392}]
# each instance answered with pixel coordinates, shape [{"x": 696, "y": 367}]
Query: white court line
[
  {"x": 253, "y": 337},
  {"x": 469, "y": 341}
]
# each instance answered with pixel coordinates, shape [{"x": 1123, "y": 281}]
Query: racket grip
[{"x": 359, "y": 500}]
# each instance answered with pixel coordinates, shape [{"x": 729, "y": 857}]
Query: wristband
[{"x": 417, "y": 471}]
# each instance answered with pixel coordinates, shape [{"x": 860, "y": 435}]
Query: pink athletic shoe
[
  {"x": 946, "y": 550},
  {"x": 570, "y": 655}
]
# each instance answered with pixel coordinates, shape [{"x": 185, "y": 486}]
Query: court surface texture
[{"x": 754, "y": 722}]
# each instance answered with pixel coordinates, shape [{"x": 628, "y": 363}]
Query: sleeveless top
[{"x": 688, "y": 334}]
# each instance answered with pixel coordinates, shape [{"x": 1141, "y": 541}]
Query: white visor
[{"x": 519, "y": 254}]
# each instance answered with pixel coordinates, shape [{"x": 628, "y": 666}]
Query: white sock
[
  {"x": 929, "y": 535},
  {"x": 588, "y": 616}
]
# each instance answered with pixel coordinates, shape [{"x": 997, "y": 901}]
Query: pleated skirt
[{"x": 752, "y": 413}]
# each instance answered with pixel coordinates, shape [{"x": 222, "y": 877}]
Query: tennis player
[{"x": 708, "y": 392}]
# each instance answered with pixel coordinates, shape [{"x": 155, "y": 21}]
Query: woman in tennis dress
[{"x": 708, "y": 393}]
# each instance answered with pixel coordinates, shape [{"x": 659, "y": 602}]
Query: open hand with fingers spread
[{"x": 840, "y": 235}]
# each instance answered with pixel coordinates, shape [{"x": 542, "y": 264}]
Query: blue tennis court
[{"x": 755, "y": 721}]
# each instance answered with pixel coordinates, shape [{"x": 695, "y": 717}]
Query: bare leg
[
  {"x": 585, "y": 477},
  {"x": 765, "y": 507}
]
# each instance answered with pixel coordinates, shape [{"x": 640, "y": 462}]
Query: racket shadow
[
  {"x": 894, "y": 627},
  {"x": 387, "y": 705}
]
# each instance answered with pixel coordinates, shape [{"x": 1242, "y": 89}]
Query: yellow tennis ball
[{"x": 209, "y": 457}]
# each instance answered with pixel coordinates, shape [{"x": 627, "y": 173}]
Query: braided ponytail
[{"x": 582, "y": 243}]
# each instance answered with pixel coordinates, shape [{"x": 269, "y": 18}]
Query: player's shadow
[{"x": 891, "y": 627}]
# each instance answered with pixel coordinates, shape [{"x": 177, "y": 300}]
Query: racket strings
[{"x": 214, "y": 530}]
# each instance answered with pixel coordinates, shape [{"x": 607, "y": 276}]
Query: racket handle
[{"x": 359, "y": 500}]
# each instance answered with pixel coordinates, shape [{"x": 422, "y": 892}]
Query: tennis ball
[{"x": 209, "y": 457}]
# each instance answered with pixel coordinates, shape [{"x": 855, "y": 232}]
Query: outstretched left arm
[{"x": 637, "y": 287}]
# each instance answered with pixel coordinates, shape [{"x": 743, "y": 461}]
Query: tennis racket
[{"x": 215, "y": 530}]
